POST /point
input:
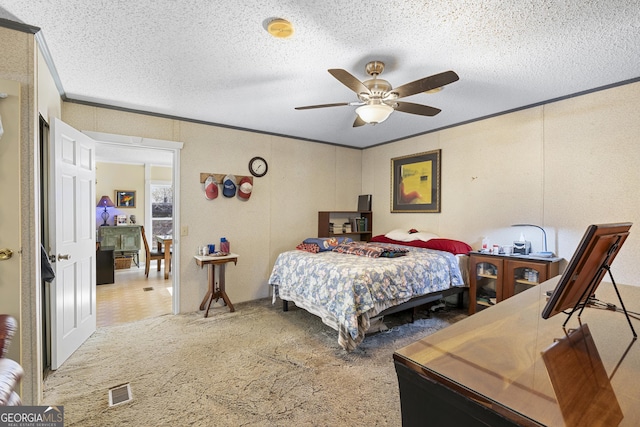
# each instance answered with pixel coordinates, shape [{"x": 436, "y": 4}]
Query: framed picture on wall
[
  {"x": 125, "y": 199},
  {"x": 415, "y": 182}
]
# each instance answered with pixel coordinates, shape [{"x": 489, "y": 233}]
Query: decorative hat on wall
[
  {"x": 229, "y": 186},
  {"x": 244, "y": 188},
  {"x": 210, "y": 188}
]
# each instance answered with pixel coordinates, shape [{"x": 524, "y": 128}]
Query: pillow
[
  {"x": 384, "y": 239},
  {"x": 424, "y": 236},
  {"x": 327, "y": 243},
  {"x": 455, "y": 247},
  {"x": 371, "y": 250},
  {"x": 408, "y": 236},
  {"x": 308, "y": 247}
]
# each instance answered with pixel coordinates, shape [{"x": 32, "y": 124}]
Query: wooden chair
[{"x": 150, "y": 256}]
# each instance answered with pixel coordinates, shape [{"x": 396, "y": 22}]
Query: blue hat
[{"x": 229, "y": 186}]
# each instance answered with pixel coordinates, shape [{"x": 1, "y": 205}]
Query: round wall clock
[{"x": 258, "y": 167}]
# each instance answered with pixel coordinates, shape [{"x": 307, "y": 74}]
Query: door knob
[
  {"x": 5, "y": 254},
  {"x": 65, "y": 256}
]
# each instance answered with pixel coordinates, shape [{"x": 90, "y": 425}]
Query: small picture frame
[
  {"x": 121, "y": 220},
  {"x": 364, "y": 203},
  {"x": 125, "y": 199}
]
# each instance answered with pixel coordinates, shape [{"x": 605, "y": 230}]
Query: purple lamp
[{"x": 105, "y": 202}]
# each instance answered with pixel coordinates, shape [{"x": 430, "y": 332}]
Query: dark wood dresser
[{"x": 508, "y": 366}]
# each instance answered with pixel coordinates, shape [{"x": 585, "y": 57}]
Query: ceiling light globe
[{"x": 374, "y": 113}]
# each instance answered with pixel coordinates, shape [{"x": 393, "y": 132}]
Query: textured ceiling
[{"x": 213, "y": 61}]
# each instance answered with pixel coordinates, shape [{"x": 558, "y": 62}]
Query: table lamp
[
  {"x": 105, "y": 202},
  {"x": 544, "y": 253}
]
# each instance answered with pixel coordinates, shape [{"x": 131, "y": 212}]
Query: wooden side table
[{"x": 219, "y": 291}]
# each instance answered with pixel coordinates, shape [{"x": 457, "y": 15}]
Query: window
[{"x": 161, "y": 210}]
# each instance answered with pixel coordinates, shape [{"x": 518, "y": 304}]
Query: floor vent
[
  {"x": 147, "y": 289},
  {"x": 120, "y": 394}
]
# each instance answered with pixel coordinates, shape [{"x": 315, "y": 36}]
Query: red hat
[
  {"x": 244, "y": 188},
  {"x": 210, "y": 188}
]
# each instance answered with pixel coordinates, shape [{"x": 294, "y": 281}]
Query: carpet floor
[{"x": 258, "y": 366}]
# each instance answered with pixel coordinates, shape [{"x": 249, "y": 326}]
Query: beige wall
[
  {"x": 49, "y": 102},
  {"x": 591, "y": 151},
  {"x": 491, "y": 177},
  {"x": 160, "y": 173},
  {"x": 563, "y": 165}
]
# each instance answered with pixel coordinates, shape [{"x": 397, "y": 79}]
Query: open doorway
[
  {"x": 146, "y": 169},
  {"x": 128, "y": 292}
]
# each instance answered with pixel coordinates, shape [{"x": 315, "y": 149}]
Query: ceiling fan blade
[
  {"x": 425, "y": 84},
  {"x": 309, "y": 107},
  {"x": 359, "y": 122},
  {"x": 349, "y": 81},
  {"x": 419, "y": 109}
]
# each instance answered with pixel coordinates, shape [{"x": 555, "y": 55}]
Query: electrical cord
[{"x": 595, "y": 303}]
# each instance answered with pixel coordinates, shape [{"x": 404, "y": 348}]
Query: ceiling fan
[{"x": 378, "y": 99}]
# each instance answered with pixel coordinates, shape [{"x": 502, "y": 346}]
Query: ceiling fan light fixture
[
  {"x": 280, "y": 28},
  {"x": 378, "y": 98},
  {"x": 374, "y": 113}
]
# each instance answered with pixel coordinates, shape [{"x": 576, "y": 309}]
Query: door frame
[{"x": 173, "y": 148}]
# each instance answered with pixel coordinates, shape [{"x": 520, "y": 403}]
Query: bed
[{"x": 346, "y": 291}]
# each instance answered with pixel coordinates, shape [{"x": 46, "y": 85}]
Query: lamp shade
[
  {"x": 374, "y": 113},
  {"x": 105, "y": 202}
]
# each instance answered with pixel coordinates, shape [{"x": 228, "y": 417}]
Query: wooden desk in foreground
[
  {"x": 219, "y": 291},
  {"x": 495, "y": 367}
]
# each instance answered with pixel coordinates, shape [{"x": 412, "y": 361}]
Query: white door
[{"x": 73, "y": 239}]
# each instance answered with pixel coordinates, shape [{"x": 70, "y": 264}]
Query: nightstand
[{"x": 494, "y": 278}]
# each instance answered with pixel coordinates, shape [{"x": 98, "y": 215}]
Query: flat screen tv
[{"x": 598, "y": 247}]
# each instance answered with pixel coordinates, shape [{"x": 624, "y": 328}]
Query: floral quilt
[{"x": 345, "y": 291}]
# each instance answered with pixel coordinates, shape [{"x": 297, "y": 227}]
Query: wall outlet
[{"x": 184, "y": 230}]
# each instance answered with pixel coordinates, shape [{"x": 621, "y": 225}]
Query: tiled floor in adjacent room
[{"x": 133, "y": 297}]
